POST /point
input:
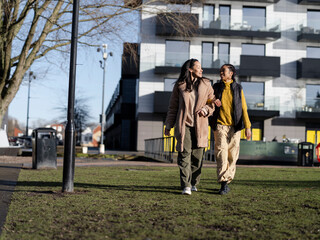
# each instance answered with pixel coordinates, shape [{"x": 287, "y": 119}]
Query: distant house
[
  {"x": 60, "y": 128},
  {"x": 96, "y": 135},
  {"x": 17, "y": 132},
  {"x": 90, "y": 137},
  {"x": 86, "y": 137}
]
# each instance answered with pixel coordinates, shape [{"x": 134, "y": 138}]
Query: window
[
  {"x": 224, "y": 14},
  {"x": 253, "y": 49},
  {"x": 208, "y": 15},
  {"x": 254, "y": 18},
  {"x": 312, "y": 98},
  {"x": 182, "y": 8},
  {"x": 313, "y": 19},
  {"x": 313, "y": 52},
  {"x": 169, "y": 84},
  {"x": 254, "y": 94},
  {"x": 177, "y": 52},
  {"x": 207, "y": 54},
  {"x": 223, "y": 53}
]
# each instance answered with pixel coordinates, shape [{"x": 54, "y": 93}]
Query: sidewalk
[{"x": 9, "y": 174}]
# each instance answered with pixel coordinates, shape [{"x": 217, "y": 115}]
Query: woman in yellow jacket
[{"x": 227, "y": 123}]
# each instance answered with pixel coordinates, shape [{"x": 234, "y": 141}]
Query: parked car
[{"x": 24, "y": 141}]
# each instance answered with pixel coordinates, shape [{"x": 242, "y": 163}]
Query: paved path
[{"x": 9, "y": 174}]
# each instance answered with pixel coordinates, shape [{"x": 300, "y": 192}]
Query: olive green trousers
[{"x": 190, "y": 160}]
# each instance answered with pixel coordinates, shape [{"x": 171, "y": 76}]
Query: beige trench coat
[{"x": 178, "y": 108}]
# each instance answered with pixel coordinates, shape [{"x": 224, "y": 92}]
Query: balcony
[
  {"x": 308, "y": 32},
  {"x": 166, "y": 24},
  {"x": 170, "y": 62},
  {"x": 308, "y": 68},
  {"x": 261, "y": 107},
  {"x": 259, "y": 66},
  {"x": 309, "y": 2},
  {"x": 259, "y": 28},
  {"x": 310, "y": 110}
]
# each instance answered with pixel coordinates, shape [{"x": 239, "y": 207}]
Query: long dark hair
[
  {"x": 231, "y": 69},
  {"x": 185, "y": 75}
]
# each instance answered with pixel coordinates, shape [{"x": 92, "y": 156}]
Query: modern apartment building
[
  {"x": 275, "y": 46},
  {"x": 121, "y": 125}
]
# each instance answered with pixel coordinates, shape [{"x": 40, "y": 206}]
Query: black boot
[{"x": 224, "y": 188}]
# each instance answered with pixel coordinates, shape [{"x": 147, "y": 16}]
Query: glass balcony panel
[
  {"x": 175, "y": 59},
  {"x": 312, "y": 105},
  {"x": 261, "y": 102},
  {"x": 248, "y": 24},
  {"x": 309, "y": 26}
]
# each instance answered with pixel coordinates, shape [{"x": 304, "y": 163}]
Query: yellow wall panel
[
  {"x": 256, "y": 134},
  {"x": 311, "y": 136}
]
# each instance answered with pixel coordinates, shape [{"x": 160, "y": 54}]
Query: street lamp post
[
  {"x": 102, "y": 116},
  {"x": 69, "y": 148},
  {"x": 31, "y": 76}
]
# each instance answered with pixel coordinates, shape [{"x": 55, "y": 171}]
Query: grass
[{"x": 146, "y": 203}]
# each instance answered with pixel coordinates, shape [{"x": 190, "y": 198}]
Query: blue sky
[{"x": 49, "y": 90}]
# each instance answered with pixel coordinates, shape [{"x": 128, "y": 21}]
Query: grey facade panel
[
  {"x": 308, "y": 68},
  {"x": 240, "y": 33},
  {"x": 309, "y": 2},
  {"x": 166, "y": 70},
  {"x": 259, "y": 66},
  {"x": 161, "y": 102},
  {"x": 308, "y": 37},
  {"x": 259, "y": 115},
  {"x": 308, "y": 115}
]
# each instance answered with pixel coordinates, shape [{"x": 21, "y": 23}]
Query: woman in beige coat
[{"x": 188, "y": 112}]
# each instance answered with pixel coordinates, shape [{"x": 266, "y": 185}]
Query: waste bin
[
  {"x": 305, "y": 154},
  {"x": 44, "y": 152}
]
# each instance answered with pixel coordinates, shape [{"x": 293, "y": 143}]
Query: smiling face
[
  {"x": 196, "y": 70},
  {"x": 226, "y": 74}
]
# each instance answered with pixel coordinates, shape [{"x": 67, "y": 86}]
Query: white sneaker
[
  {"x": 194, "y": 189},
  {"x": 186, "y": 191}
]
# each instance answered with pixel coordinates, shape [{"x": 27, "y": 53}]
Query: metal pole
[
  {"x": 103, "y": 118},
  {"x": 69, "y": 148},
  {"x": 102, "y": 149},
  {"x": 27, "y": 126}
]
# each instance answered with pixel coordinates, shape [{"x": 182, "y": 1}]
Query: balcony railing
[
  {"x": 308, "y": 31},
  {"x": 260, "y": 102},
  {"x": 310, "y": 105},
  {"x": 176, "y": 59},
  {"x": 248, "y": 24},
  {"x": 160, "y": 148}
]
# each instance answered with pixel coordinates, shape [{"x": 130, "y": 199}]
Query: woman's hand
[
  {"x": 201, "y": 113},
  {"x": 248, "y": 133},
  {"x": 217, "y": 102},
  {"x": 167, "y": 132}
]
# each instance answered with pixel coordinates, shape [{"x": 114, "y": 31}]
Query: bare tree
[
  {"x": 82, "y": 115},
  {"x": 32, "y": 29}
]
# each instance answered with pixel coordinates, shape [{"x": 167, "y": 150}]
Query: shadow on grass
[
  {"x": 277, "y": 183},
  {"x": 171, "y": 189}
]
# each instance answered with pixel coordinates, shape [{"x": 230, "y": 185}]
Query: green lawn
[{"x": 146, "y": 203}]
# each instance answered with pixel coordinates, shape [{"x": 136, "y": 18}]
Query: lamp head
[{"x": 105, "y": 46}]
